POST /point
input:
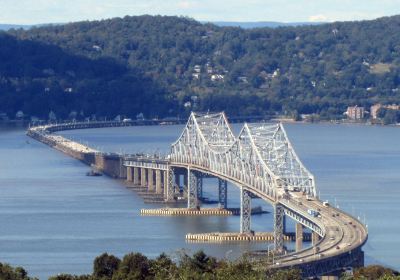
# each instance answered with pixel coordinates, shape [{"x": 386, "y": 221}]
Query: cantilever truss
[{"x": 261, "y": 157}]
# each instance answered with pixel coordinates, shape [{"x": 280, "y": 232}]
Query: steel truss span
[
  {"x": 261, "y": 156},
  {"x": 262, "y": 162}
]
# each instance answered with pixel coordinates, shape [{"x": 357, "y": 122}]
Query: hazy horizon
[{"x": 29, "y": 12}]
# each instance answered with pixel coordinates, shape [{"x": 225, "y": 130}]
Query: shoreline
[{"x": 25, "y": 124}]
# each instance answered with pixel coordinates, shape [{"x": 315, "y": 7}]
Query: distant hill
[
  {"x": 261, "y": 24},
  {"x": 6, "y": 27},
  {"x": 186, "y": 65},
  {"x": 258, "y": 24}
]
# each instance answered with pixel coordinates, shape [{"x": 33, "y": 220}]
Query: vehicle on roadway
[
  {"x": 313, "y": 212},
  {"x": 293, "y": 189}
]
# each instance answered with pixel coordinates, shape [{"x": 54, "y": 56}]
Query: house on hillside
[{"x": 355, "y": 113}]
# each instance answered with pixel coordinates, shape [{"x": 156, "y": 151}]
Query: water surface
[{"x": 55, "y": 219}]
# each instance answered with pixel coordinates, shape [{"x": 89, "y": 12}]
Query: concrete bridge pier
[
  {"x": 150, "y": 180},
  {"x": 143, "y": 176},
  {"x": 136, "y": 178},
  {"x": 278, "y": 227},
  {"x": 129, "y": 174},
  {"x": 222, "y": 193},
  {"x": 245, "y": 211},
  {"x": 314, "y": 238},
  {"x": 158, "y": 182},
  {"x": 299, "y": 237}
]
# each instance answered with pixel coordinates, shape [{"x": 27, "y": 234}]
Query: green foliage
[
  {"x": 9, "y": 273},
  {"x": 238, "y": 270},
  {"x": 198, "y": 266},
  {"x": 292, "y": 274},
  {"x": 163, "y": 268},
  {"x": 133, "y": 266},
  {"x": 374, "y": 272},
  {"x": 105, "y": 265},
  {"x": 145, "y": 64}
]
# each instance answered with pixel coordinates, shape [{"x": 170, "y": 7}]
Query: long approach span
[{"x": 261, "y": 162}]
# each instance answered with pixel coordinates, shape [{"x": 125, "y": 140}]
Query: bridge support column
[
  {"x": 245, "y": 211},
  {"x": 150, "y": 179},
  {"x": 185, "y": 183},
  {"x": 278, "y": 227},
  {"x": 299, "y": 237},
  {"x": 129, "y": 174},
  {"x": 199, "y": 187},
  {"x": 143, "y": 178},
  {"x": 314, "y": 238},
  {"x": 169, "y": 189},
  {"x": 177, "y": 180},
  {"x": 136, "y": 176},
  {"x": 158, "y": 181},
  {"x": 192, "y": 189},
  {"x": 223, "y": 193}
]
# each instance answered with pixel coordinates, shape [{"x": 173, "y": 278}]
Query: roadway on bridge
[{"x": 343, "y": 233}]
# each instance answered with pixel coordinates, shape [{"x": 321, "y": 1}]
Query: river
[{"x": 54, "y": 219}]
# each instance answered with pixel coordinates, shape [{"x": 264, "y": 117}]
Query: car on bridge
[{"x": 313, "y": 212}]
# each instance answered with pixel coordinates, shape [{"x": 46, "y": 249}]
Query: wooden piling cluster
[
  {"x": 216, "y": 237},
  {"x": 185, "y": 212}
]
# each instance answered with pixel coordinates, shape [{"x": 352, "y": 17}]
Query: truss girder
[
  {"x": 245, "y": 211},
  {"x": 170, "y": 188},
  {"x": 279, "y": 217},
  {"x": 260, "y": 157},
  {"x": 199, "y": 182},
  {"x": 278, "y": 154},
  {"x": 223, "y": 193}
]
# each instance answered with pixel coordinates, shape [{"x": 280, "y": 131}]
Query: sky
[{"x": 63, "y": 11}]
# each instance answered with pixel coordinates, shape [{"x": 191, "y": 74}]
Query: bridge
[{"x": 262, "y": 163}]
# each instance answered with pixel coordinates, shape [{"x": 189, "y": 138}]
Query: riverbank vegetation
[
  {"x": 168, "y": 66},
  {"x": 135, "y": 266}
]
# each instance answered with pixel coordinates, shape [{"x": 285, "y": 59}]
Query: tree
[
  {"x": 373, "y": 272},
  {"x": 133, "y": 266},
  {"x": 10, "y": 273},
  {"x": 163, "y": 268},
  {"x": 105, "y": 266}
]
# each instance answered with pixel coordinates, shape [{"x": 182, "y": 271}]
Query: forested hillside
[{"x": 167, "y": 66}]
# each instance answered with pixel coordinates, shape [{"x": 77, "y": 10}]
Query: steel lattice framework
[{"x": 260, "y": 158}]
